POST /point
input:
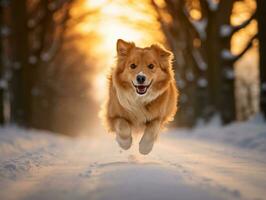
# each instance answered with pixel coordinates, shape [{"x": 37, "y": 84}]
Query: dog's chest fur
[{"x": 135, "y": 106}]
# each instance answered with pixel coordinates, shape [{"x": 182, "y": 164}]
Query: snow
[
  {"x": 16, "y": 65},
  {"x": 32, "y": 59},
  {"x": 183, "y": 98},
  {"x": 263, "y": 86},
  {"x": 3, "y": 84},
  {"x": 229, "y": 73},
  {"x": 181, "y": 83},
  {"x": 202, "y": 82},
  {"x": 200, "y": 62},
  {"x": 210, "y": 162},
  {"x": 45, "y": 56},
  {"x": 35, "y": 91},
  {"x": 200, "y": 26},
  {"x": 249, "y": 135},
  {"x": 5, "y": 31},
  {"x": 226, "y": 54},
  {"x": 189, "y": 75},
  {"x": 213, "y": 4},
  {"x": 225, "y": 30}
]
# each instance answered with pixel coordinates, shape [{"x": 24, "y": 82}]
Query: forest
[
  {"x": 55, "y": 54},
  {"x": 55, "y": 61}
]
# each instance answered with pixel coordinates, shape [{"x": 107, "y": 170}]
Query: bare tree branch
[
  {"x": 205, "y": 10},
  {"x": 164, "y": 26},
  {"x": 234, "y": 29},
  {"x": 244, "y": 24},
  {"x": 247, "y": 47}
]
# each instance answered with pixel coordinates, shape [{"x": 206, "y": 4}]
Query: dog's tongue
[{"x": 141, "y": 89}]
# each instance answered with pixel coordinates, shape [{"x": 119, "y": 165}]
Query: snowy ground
[{"x": 209, "y": 163}]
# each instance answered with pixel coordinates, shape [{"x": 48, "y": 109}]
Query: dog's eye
[
  {"x": 133, "y": 66},
  {"x": 150, "y": 66}
]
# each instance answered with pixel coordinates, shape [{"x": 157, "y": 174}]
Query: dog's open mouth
[{"x": 142, "y": 89}]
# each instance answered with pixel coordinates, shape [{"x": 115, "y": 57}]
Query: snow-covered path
[{"x": 38, "y": 165}]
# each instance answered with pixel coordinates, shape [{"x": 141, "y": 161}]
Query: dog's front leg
[
  {"x": 150, "y": 135},
  {"x": 123, "y": 133}
]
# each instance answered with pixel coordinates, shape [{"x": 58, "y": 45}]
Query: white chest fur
[{"x": 135, "y": 106}]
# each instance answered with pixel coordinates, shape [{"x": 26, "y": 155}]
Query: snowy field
[{"x": 208, "y": 163}]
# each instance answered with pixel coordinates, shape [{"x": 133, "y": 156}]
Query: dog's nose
[{"x": 141, "y": 79}]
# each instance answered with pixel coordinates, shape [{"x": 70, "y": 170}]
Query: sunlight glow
[
  {"x": 110, "y": 32},
  {"x": 116, "y": 25},
  {"x": 136, "y": 21},
  {"x": 119, "y": 20}
]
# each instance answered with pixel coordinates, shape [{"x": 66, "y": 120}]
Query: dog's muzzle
[{"x": 141, "y": 89}]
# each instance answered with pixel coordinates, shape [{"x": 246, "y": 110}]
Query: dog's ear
[
  {"x": 123, "y": 47},
  {"x": 162, "y": 52}
]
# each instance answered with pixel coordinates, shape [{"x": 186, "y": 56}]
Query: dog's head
[{"x": 143, "y": 70}]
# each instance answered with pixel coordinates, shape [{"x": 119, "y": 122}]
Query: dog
[{"x": 142, "y": 93}]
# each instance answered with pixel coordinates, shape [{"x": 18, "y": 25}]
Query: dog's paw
[
  {"x": 145, "y": 146},
  {"x": 124, "y": 143}
]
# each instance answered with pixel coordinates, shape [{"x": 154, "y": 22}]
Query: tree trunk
[
  {"x": 261, "y": 10},
  {"x": 1, "y": 68},
  {"x": 179, "y": 37},
  {"x": 227, "y": 93},
  {"x": 20, "y": 83},
  {"x": 212, "y": 50},
  {"x": 220, "y": 85}
]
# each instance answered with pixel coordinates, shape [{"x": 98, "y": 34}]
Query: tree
[
  {"x": 56, "y": 72},
  {"x": 216, "y": 51},
  {"x": 35, "y": 75},
  {"x": 37, "y": 30},
  {"x": 1, "y": 65},
  {"x": 261, "y": 10},
  {"x": 20, "y": 86},
  {"x": 180, "y": 34},
  {"x": 206, "y": 48}
]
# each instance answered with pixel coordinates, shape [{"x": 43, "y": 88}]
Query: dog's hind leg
[
  {"x": 150, "y": 135},
  {"x": 123, "y": 133}
]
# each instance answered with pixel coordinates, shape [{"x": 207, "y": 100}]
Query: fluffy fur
[{"x": 126, "y": 109}]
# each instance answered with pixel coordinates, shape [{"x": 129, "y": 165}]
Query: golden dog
[{"x": 142, "y": 93}]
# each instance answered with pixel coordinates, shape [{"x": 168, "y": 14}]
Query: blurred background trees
[
  {"x": 54, "y": 55},
  {"x": 200, "y": 34},
  {"x": 261, "y": 9},
  {"x": 34, "y": 36},
  {"x": 37, "y": 31}
]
